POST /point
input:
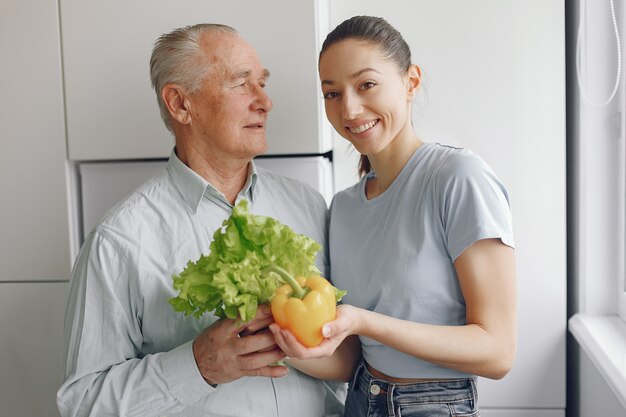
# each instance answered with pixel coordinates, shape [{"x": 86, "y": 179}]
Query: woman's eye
[
  {"x": 367, "y": 85},
  {"x": 331, "y": 95}
]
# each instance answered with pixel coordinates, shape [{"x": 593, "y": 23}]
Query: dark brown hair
[{"x": 376, "y": 31}]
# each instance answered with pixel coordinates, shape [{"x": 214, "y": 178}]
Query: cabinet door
[
  {"x": 31, "y": 347},
  {"x": 112, "y": 111},
  {"x": 498, "y": 88},
  {"x": 34, "y": 230},
  {"x": 104, "y": 184}
]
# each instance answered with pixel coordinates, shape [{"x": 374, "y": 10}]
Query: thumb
[{"x": 327, "y": 330}]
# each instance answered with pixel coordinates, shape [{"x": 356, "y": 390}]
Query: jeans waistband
[{"x": 449, "y": 389}]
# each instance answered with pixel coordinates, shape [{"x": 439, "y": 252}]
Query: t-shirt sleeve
[{"x": 474, "y": 204}]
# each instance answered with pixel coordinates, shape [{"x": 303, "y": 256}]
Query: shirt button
[{"x": 375, "y": 389}]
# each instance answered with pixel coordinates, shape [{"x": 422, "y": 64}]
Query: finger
[
  {"x": 274, "y": 328},
  {"x": 298, "y": 350},
  {"x": 251, "y": 362},
  {"x": 263, "y": 313},
  {"x": 294, "y": 349},
  {"x": 256, "y": 326},
  {"x": 280, "y": 340},
  {"x": 335, "y": 327},
  {"x": 262, "y": 340},
  {"x": 270, "y": 371}
]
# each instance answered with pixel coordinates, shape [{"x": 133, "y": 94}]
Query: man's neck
[{"x": 228, "y": 176}]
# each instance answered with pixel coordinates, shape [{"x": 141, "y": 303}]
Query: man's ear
[
  {"x": 414, "y": 80},
  {"x": 177, "y": 103}
]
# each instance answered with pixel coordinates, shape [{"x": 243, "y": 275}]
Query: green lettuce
[{"x": 231, "y": 280}]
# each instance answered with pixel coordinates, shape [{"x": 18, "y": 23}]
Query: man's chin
[{"x": 261, "y": 150}]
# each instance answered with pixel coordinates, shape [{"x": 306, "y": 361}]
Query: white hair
[{"x": 177, "y": 58}]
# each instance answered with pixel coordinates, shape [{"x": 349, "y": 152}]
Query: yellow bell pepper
[{"x": 303, "y": 306}]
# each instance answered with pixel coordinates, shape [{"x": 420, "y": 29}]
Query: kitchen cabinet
[
  {"x": 34, "y": 242},
  {"x": 112, "y": 111},
  {"x": 31, "y": 347},
  {"x": 35, "y": 237}
]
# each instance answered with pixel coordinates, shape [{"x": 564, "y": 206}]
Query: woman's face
[{"x": 367, "y": 97}]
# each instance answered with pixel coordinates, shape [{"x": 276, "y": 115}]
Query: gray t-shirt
[{"x": 394, "y": 253}]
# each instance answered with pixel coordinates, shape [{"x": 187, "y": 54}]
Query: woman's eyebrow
[{"x": 355, "y": 75}]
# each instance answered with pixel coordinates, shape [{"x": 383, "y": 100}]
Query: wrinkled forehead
[{"x": 229, "y": 53}]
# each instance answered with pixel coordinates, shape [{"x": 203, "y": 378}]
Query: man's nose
[{"x": 262, "y": 100}]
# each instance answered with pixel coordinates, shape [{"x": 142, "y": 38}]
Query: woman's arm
[{"x": 484, "y": 346}]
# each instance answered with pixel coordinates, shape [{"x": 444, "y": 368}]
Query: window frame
[{"x": 620, "y": 284}]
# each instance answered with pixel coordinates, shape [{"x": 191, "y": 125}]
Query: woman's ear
[
  {"x": 415, "y": 79},
  {"x": 177, "y": 103}
]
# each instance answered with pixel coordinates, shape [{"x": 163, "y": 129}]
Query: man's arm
[{"x": 104, "y": 374}]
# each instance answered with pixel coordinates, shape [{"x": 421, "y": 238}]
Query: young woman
[{"x": 423, "y": 245}]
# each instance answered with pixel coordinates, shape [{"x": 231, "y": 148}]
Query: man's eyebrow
[
  {"x": 246, "y": 73},
  {"x": 355, "y": 75},
  {"x": 241, "y": 74}
]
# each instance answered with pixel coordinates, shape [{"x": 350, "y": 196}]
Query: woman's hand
[
  {"x": 334, "y": 332},
  {"x": 336, "y": 357}
]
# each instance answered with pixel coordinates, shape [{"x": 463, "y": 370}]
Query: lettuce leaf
[{"x": 229, "y": 281}]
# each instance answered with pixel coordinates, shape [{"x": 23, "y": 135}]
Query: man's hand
[{"x": 229, "y": 350}]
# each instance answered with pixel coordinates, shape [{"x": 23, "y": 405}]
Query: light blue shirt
[
  {"x": 128, "y": 352},
  {"x": 394, "y": 253}
]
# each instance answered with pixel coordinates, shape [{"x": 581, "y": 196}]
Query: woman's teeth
[{"x": 364, "y": 127}]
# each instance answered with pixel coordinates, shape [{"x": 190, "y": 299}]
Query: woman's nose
[{"x": 351, "y": 106}]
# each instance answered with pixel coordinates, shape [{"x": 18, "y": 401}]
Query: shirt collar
[{"x": 192, "y": 187}]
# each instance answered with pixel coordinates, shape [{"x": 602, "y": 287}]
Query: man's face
[{"x": 229, "y": 112}]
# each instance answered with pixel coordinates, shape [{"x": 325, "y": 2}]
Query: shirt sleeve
[
  {"x": 474, "y": 203},
  {"x": 105, "y": 373}
]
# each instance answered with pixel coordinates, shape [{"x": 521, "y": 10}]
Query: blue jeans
[{"x": 372, "y": 397}]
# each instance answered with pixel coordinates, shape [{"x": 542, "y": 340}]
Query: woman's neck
[{"x": 389, "y": 162}]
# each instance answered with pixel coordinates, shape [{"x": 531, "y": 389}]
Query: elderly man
[{"x": 129, "y": 353}]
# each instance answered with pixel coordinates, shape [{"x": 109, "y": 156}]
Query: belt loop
[
  {"x": 391, "y": 410},
  {"x": 474, "y": 393},
  {"x": 355, "y": 377}
]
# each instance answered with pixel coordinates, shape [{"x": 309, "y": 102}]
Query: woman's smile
[{"x": 364, "y": 127}]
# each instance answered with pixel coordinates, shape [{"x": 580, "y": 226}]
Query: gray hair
[{"x": 177, "y": 58}]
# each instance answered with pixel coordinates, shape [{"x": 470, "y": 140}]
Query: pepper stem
[{"x": 298, "y": 291}]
